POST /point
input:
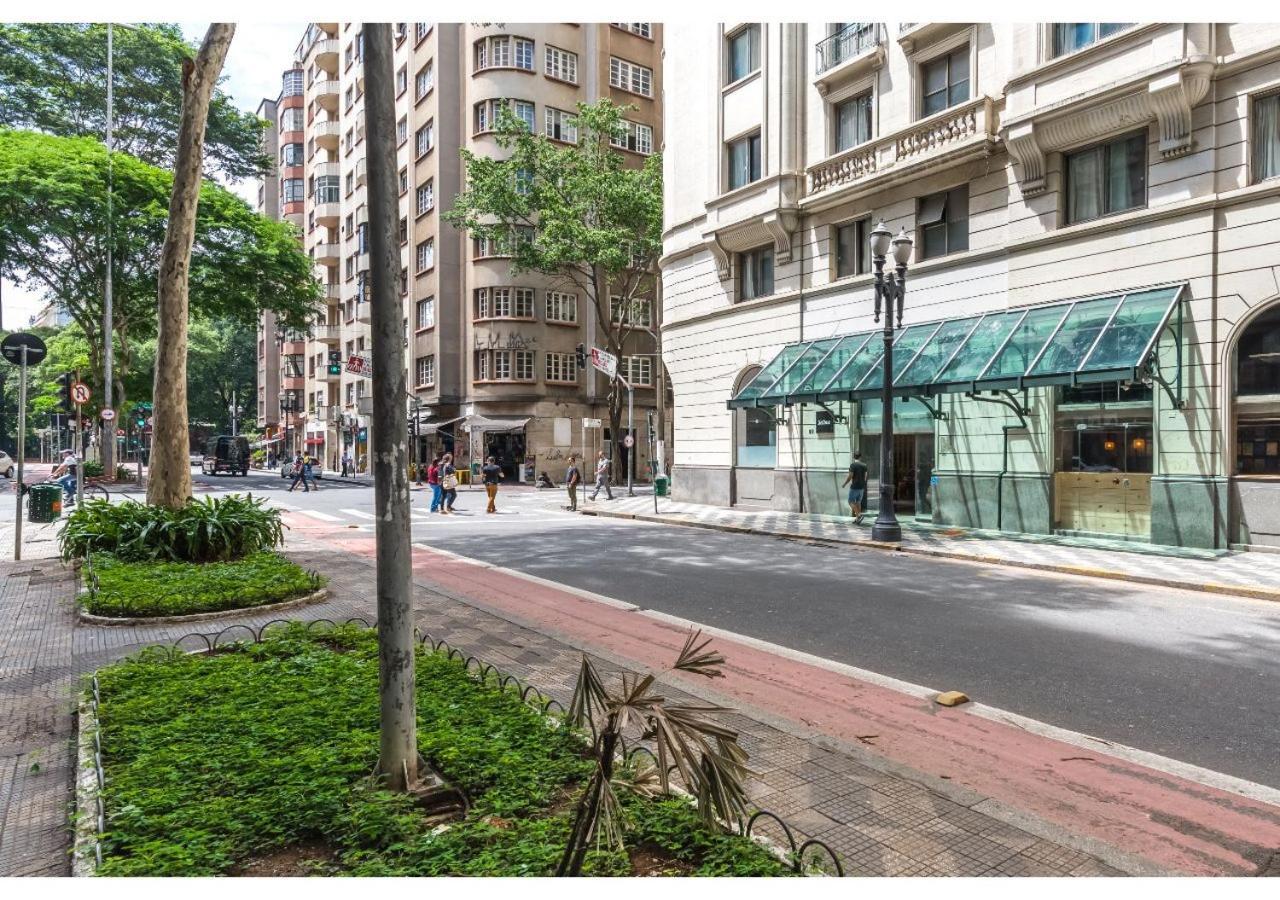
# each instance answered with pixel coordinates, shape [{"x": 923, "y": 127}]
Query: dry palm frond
[
  {"x": 589, "y": 696},
  {"x": 692, "y": 658}
]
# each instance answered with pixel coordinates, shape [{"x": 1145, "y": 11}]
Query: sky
[{"x": 259, "y": 53}]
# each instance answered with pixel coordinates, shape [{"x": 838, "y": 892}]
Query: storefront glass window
[
  {"x": 1257, "y": 405},
  {"x": 1258, "y": 356},
  {"x": 1104, "y": 428},
  {"x": 757, "y": 439}
]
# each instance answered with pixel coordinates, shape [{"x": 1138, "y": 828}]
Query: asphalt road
[{"x": 1186, "y": 675}]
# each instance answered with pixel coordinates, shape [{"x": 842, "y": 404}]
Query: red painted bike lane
[{"x": 1176, "y": 824}]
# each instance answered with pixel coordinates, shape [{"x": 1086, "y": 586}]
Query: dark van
[{"x": 226, "y": 453}]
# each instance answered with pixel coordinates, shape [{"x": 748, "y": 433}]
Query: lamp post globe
[
  {"x": 880, "y": 238},
  {"x": 902, "y": 245}
]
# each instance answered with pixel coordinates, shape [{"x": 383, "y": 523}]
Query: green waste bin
[
  {"x": 44, "y": 503},
  {"x": 660, "y": 485}
]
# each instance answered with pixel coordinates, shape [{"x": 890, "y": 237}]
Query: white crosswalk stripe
[
  {"x": 358, "y": 513},
  {"x": 316, "y": 514}
]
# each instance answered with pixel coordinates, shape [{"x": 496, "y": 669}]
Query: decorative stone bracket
[
  {"x": 775, "y": 227},
  {"x": 1168, "y": 98}
]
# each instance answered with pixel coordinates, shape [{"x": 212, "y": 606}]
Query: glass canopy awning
[{"x": 1107, "y": 338}]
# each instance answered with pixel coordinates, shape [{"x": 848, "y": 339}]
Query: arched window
[
  {"x": 1257, "y": 399},
  {"x": 755, "y": 433}
]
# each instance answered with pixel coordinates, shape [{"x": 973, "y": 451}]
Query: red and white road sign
[
  {"x": 119, "y": 432},
  {"x": 360, "y": 365},
  {"x": 108, "y": 415},
  {"x": 80, "y": 393},
  {"x": 629, "y": 441},
  {"x": 604, "y": 361}
]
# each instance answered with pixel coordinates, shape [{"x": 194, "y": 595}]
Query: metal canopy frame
[{"x": 1143, "y": 367}]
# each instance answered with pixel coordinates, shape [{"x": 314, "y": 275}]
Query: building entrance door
[
  {"x": 912, "y": 473},
  {"x": 508, "y": 449}
]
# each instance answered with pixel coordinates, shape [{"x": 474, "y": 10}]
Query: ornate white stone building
[{"x": 1092, "y": 317}]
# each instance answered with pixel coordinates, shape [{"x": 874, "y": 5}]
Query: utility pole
[
  {"x": 22, "y": 433},
  {"x": 108, "y": 360},
  {"x": 398, "y": 760}
]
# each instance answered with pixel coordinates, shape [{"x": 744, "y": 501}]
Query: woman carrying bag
[{"x": 448, "y": 484}]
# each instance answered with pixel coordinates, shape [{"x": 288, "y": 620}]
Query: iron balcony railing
[{"x": 852, "y": 40}]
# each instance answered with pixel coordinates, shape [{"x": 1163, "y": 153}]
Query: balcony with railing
[
  {"x": 327, "y": 254},
  {"x": 328, "y": 334},
  {"x": 326, "y": 132},
  {"x": 325, "y": 53},
  {"x": 853, "y": 40},
  {"x": 951, "y": 136},
  {"x": 326, "y": 93}
]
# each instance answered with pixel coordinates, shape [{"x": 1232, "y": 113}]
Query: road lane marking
[
  {"x": 358, "y": 513},
  {"x": 316, "y": 514}
]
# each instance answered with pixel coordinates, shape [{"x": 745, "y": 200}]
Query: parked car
[
  {"x": 226, "y": 453},
  {"x": 197, "y": 459},
  {"x": 6, "y": 464},
  {"x": 286, "y": 469}
]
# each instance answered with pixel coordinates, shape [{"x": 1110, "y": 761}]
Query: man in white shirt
[
  {"x": 66, "y": 474},
  {"x": 602, "y": 477}
]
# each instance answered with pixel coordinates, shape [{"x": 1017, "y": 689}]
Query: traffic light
[
  {"x": 64, "y": 382},
  {"x": 582, "y": 356},
  {"x": 335, "y": 362}
]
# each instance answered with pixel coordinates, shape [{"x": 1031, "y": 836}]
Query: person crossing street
[
  {"x": 602, "y": 477},
  {"x": 492, "y": 473}
]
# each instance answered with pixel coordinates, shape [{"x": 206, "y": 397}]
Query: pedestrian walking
[
  {"x": 346, "y": 464},
  {"x": 299, "y": 475},
  {"x": 492, "y": 473},
  {"x": 433, "y": 482},
  {"x": 602, "y": 477},
  {"x": 448, "y": 484},
  {"x": 310, "y": 466},
  {"x": 572, "y": 478},
  {"x": 857, "y": 482}
]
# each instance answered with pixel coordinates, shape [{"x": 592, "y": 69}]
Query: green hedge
[
  {"x": 125, "y": 589},
  {"x": 214, "y": 760}
]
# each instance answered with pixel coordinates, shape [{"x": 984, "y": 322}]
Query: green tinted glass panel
[
  {"x": 936, "y": 353},
  {"x": 979, "y": 348},
  {"x": 770, "y": 373},
  {"x": 905, "y": 348},
  {"x": 823, "y": 371},
  {"x": 862, "y": 360},
  {"x": 1074, "y": 340},
  {"x": 792, "y": 378},
  {"x": 1026, "y": 341},
  {"x": 1132, "y": 329}
]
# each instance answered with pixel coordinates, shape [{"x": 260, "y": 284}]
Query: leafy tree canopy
[{"x": 53, "y": 78}]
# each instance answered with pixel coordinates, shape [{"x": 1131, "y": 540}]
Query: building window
[
  {"x": 350, "y": 97},
  {"x": 425, "y": 255},
  {"x": 504, "y": 303},
  {"x": 486, "y": 113},
  {"x": 362, "y": 237},
  {"x": 291, "y": 155},
  {"x": 403, "y": 231},
  {"x": 561, "y": 64},
  {"x": 1069, "y": 37},
  {"x": 562, "y": 368},
  {"x": 504, "y": 365},
  {"x": 425, "y": 371},
  {"x": 637, "y": 370},
  {"x": 420, "y": 30},
  {"x": 743, "y": 53},
  {"x": 744, "y": 160},
  {"x": 424, "y": 139},
  {"x": 402, "y": 130},
  {"x": 327, "y": 189},
  {"x": 637, "y": 313},
  {"x": 1266, "y": 137},
  {"x": 292, "y": 189},
  {"x": 630, "y": 76},
  {"x": 502, "y": 244},
  {"x": 1257, "y": 401},
  {"x": 853, "y": 255},
  {"x": 404, "y": 181},
  {"x": 562, "y": 307},
  {"x": 644, "y": 29},
  {"x": 503, "y": 52},
  {"x": 426, "y": 198},
  {"x": 426, "y": 313},
  {"x": 292, "y": 83},
  {"x": 424, "y": 81},
  {"x": 943, "y": 220},
  {"x": 561, "y": 126},
  {"x": 402, "y": 80},
  {"x": 852, "y": 121},
  {"x": 1108, "y": 178},
  {"x": 945, "y": 81},
  {"x": 633, "y": 136},
  {"x": 292, "y": 120},
  {"x": 755, "y": 273},
  {"x": 523, "y": 53}
]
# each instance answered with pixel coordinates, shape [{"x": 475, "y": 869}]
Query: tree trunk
[
  {"x": 398, "y": 749},
  {"x": 170, "y": 483}
]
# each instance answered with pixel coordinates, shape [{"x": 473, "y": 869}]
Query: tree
[
  {"x": 576, "y": 213},
  {"x": 53, "y": 214},
  {"x": 53, "y": 78},
  {"x": 170, "y": 483},
  {"x": 222, "y": 367}
]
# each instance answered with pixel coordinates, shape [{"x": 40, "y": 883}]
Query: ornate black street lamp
[{"x": 889, "y": 291}]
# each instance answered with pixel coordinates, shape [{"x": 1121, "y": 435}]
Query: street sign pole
[
  {"x": 79, "y": 456},
  {"x": 22, "y": 430},
  {"x": 631, "y": 448}
]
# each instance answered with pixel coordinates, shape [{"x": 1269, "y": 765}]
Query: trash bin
[
  {"x": 45, "y": 503},
  {"x": 660, "y": 485}
]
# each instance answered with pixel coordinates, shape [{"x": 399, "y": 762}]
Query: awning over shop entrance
[
  {"x": 429, "y": 427},
  {"x": 495, "y": 424},
  {"x": 1104, "y": 338}
]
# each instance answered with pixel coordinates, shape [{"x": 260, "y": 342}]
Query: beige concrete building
[
  {"x": 491, "y": 356},
  {"x": 1092, "y": 317}
]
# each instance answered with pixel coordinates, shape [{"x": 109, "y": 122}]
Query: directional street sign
[
  {"x": 604, "y": 361},
  {"x": 80, "y": 393},
  {"x": 590, "y": 423},
  {"x": 108, "y": 415},
  {"x": 11, "y": 348}
]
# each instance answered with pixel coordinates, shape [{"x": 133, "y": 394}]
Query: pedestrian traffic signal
[
  {"x": 335, "y": 362},
  {"x": 582, "y": 356},
  {"x": 64, "y": 382}
]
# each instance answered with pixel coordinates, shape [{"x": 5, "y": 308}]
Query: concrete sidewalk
[{"x": 1241, "y": 573}]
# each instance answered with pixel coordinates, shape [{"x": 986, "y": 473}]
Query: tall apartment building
[
  {"x": 1092, "y": 320},
  {"x": 268, "y": 400},
  {"x": 491, "y": 356}
]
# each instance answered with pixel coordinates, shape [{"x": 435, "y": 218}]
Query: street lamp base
[{"x": 886, "y": 531}]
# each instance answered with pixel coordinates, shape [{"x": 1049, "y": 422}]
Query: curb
[
  {"x": 303, "y": 600},
  {"x": 84, "y": 852},
  {"x": 1207, "y": 587}
]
